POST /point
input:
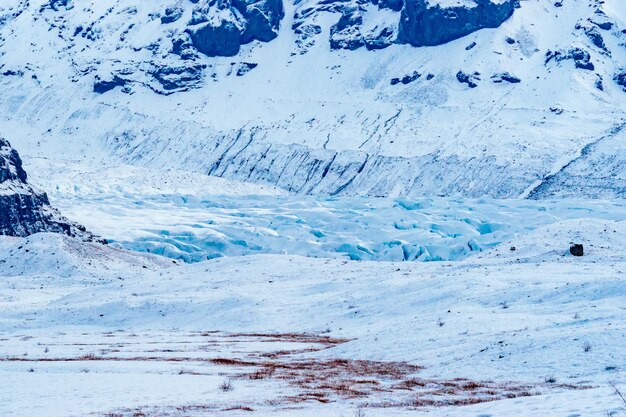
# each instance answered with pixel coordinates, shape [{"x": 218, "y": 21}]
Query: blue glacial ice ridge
[{"x": 440, "y": 229}]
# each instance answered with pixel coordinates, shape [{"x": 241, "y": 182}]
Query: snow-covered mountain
[{"x": 328, "y": 97}]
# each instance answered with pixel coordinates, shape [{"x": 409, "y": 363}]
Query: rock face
[
  {"x": 23, "y": 210},
  {"x": 424, "y": 24},
  {"x": 221, "y": 28}
]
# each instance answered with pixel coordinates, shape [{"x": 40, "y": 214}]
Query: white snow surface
[{"x": 92, "y": 330}]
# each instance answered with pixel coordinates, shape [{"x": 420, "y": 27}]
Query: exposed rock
[
  {"x": 262, "y": 19},
  {"x": 599, "y": 82},
  {"x": 24, "y": 210},
  {"x": 379, "y": 38},
  {"x": 172, "y": 14},
  {"x": 505, "y": 76},
  {"x": 220, "y": 29},
  {"x": 581, "y": 58},
  {"x": 406, "y": 79},
  {"x": 102, "y": 86},
  {"x": 424, "y": 24},
  {"x": 577, "y": 249},
  {"x": 179, "y": 78},
  {"x": 605, "y": 25},
  {"x": 245, "y": 67},
  {"x": 596, "y": 38},
  {"x": 620, "y": 79},
  {"x": 183, "y": 47},
  {"x": 346, "y": 33},
  {"x": 395, "y": 5},
  {"x": 223, "y": 39},
  {"x": 469, "y": 79}
]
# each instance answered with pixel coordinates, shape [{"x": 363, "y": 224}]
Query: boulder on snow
[
  {"x": 577, "y": 249},
  {"x": 24, "y": 210}
]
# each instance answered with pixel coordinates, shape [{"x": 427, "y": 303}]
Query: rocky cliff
[
  {"x": 423, "y": 24},
  {"x": 24, "y": 210}
]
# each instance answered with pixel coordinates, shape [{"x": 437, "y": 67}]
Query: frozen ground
[
  {"x": 113, "y": 333},
  {"x": 193, "y": 217}
]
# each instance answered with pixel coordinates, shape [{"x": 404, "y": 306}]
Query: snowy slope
[
  {"x": 512, "y": 319},
  {"x": 314, "y": 120}
]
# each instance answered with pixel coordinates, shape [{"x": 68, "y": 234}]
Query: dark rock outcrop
[
  {"x": 181, "y": 78},
  {"x": 581, "y": 58},
  {"x": 24, "y": 210},
  {"x": 346, "y": 33},
  {"x": 172, "y": 14},
  {"x": 409, "y": 78},
  {"x": 423, "y": 24},
  {"x": 221, "y": 30},
  {"x": 505, "y": 77},
  {"x": 470, "y": 79},
  {"x": 102, "y": 86},
  {"x": 620, "y": 79}
]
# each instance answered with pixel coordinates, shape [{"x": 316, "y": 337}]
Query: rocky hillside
[
  {"x": 24, "y": 210},
  {"x": 498, "y": 98}
]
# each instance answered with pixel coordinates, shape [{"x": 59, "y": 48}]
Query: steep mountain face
[
  {"x": 422, "y": 23},
  {"x": 24, "y": 210},
  {"x": 382, "y": 97}
]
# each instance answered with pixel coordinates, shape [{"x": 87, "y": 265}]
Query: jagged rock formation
[
  {"x": 25, "y": 211},
  {"x": 424, "y": 24}
]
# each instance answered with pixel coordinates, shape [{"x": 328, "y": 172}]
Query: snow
[
  {"x": 508, "y": 319},
  {"x": 323, "y": 108},
  {"x": 297, "y": 326}
]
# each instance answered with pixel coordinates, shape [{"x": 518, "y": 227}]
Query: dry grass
[{"x": 365, "y": 383}]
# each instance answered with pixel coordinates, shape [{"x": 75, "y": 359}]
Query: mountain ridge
[{"x": 297, "y": 114}]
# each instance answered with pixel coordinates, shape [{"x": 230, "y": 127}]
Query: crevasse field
[{"x": 214, "y": 219}]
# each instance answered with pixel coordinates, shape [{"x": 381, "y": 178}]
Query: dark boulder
[
  {"x": 24, "y": 210},
  {"x": 469, "y": 79},
  {"x": 577, "y": 249},
  {"x": 422, "y": 24}
]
